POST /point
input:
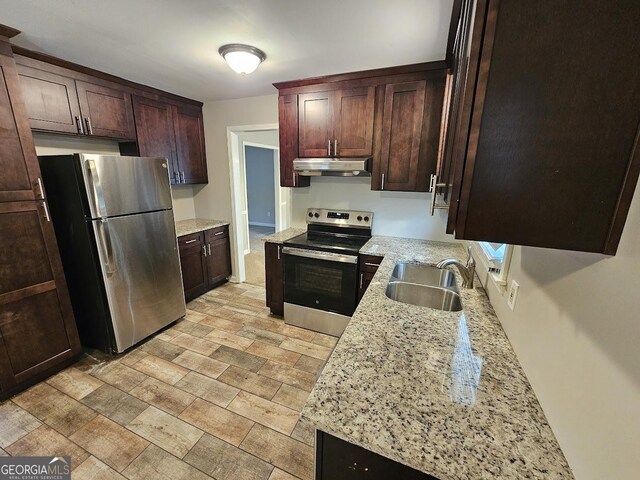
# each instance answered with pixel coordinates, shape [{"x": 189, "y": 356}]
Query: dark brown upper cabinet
[
  {"x": 336, "y": 123},
  {"x": 392, "y": 115},
  {"x": 546, "y": 146},
  {"x": 60, "y": 104},
  {"x": 189, "y": 133}
]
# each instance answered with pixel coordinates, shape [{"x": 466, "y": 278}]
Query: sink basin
[
  {"x": 424, "y": 275},
  {"x": 424, "y": 296}
]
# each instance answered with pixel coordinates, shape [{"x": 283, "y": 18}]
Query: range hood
[{"x": 335, "y": 167}]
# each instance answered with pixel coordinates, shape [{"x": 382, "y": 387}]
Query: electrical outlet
[
  {"x": 268, "y": 214},
  {"x": 512, "y": 295}
]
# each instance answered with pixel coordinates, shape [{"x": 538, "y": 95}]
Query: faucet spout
[{"x": 467, "y": 271}]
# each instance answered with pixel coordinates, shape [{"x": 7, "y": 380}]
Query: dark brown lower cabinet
[
  {"x": 340, "y": 460},
  {"x": 274, "y": 277},
  {"x": 205, "y": 258},
  {"x": 368, "y": 266}
]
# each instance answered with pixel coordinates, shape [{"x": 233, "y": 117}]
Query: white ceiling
[{"x": 173, "y": 45}]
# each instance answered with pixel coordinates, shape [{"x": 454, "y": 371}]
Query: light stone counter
[
  {"x": 193, "y": 225},
  {"x": 442, "y": 392},
  {"x": 284, "y": 235}
]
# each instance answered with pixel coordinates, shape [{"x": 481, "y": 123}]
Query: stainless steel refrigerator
[{"x": 114, "y": 223}]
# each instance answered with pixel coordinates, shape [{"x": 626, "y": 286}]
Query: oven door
[{"x": 321, "y": 280}]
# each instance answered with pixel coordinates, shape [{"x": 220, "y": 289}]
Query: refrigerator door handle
[
  {"x": 98, "y": 197},
  {"x": 105, "y": 245}
]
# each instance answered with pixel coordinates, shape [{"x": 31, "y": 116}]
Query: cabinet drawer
[
  {"x": 369, "y": 263},
  {"x": 216, "y": 233},
  {"x": 193, "y": 239}
]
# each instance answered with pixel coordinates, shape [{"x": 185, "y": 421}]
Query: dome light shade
[{"x": 242, "y": 58}]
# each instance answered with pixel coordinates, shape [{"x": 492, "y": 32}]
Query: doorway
[{"x": 260, "y": 206}]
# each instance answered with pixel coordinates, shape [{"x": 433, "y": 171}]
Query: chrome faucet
[{"x": 467, "y": 271}]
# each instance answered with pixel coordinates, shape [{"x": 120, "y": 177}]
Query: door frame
[{"x": 237, "y": 177}]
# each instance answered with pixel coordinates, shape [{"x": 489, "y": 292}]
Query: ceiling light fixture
[{"x": 242, "y": 58}]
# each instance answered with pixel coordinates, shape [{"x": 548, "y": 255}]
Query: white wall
[
  {"x": 397, "y": 214},
  {"x": 576, "y": 331},
  {"x": 183, "y": 204}
]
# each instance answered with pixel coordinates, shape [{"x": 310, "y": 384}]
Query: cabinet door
[
  {"x": 274, "y": 278},
  {"x": 156, "y": 135},
  {"x": 400, "y": 140},
  {"x": 189, "y": 133},
  {"x": 288, "y": 133},
  {"x": 51, "y": 101},
  {"x": 194, "y": 270},
  {"x": 218, "y": 260},
  {"x": 315, "y": 120},
  {"x": 353, "y": 114},
  {"x": 107, "y": 112}
]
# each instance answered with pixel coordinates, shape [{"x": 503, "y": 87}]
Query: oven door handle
[{"x": 315, "y": 254}]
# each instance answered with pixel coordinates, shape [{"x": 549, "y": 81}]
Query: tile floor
[
  {"x": 217, "y": 395},
  {"x": 254, "y": 261}
]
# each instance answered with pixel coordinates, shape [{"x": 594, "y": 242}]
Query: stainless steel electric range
[{"x": 321, "y": 269}]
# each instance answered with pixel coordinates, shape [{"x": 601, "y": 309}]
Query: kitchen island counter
[{"x": 441, "y": 392}]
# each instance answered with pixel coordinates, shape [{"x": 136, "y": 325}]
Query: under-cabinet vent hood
[{"x": 336, "y": 167}]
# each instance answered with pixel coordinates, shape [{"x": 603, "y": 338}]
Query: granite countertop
[
  {"x": 193, "y": 225},
  {"x": 442, "y": 392},
  {"x": 284, "y": 235}
]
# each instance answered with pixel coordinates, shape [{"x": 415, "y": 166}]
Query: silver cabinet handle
[
  {"x": 191, "y": 241},
  {"x": 98, "y": 197},
  {"x": 372, "y": 264},
  {"x": 335, "y": 147},
  {"x": 182, "y": 176},
  {"x": 105, "y": 243},
  {"x": 39, "y": 189},
  {"x": 433, "y": 188},
  {"x": 219, "y": 233},
  {"x": 177, "y": 177},
  {"x": 45, "y": 210},
  {"x": 361, "y": 275},
  {"x": 204, "y": 250},
  {"x": 318, "y": 255},
  {"x": 79, "y": 125},
  {"x": 208, "y": 249},
  {"x": 279, "y": 247},
  {"x": 329, "y": 148},
  {"x": 382, "y": 187},
  {"x": 87, "y": 120}
]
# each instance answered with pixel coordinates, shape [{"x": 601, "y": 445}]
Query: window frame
[{"x": 487, "y": 263}]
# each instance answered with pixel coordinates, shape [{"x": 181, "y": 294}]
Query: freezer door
[
  {"x": 123, "y": 185},
  {"x": 141, "y": 269}
]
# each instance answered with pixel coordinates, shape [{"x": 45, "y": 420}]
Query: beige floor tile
[
  {"x": 163, "y": 370},
  {"x": 115, "y": 404},
  {"x": 266, "y": 412},
  {"x": 164, "y": 396},
  {"x": 119, "y": 375},
  {"x": 195, "y": 344},
  {"x": 291, "y": 397},
  {"x": 94, "y": 469},
  {"x": 310, "y": 364},
  {"x": 159, "y": 348},
  {"x": 195, "y": 329},
  {"x": 299, "y": 333},
  {"x": 74, "y": 383},
  {"x": 278, "y": 474},
  {"x": 264, "y": 387},
  {"x": 15, "y": 423},
  {"x": 305, "y": 432},
  {"x": 223, "y": 461},
  {"x": 168, "y": 432},
  {"x": 271, "y": 352},
  {"x": 45, "y": 441},
  {"x": 229, "y": 339},
  {"x": 217, "y": 421},
  {"x": 306, "y": 348},
  {"x": 54, "y": 408},
  {"x": 201, "y": 364},
  {"x": 289, "y": 375},
  {"x": 241, "y": 359},
  {"x": 265, "y": 336},
  {"x": 134, "y": 356},
  {"x": 3, "y": 453},
  {"x": 193, "y": 316},
  {"x": 220, "y": 323},
  {"x": 156, "y": 464},
  {"x": 324, "y": 340},
  {"x": 208, "y": 388},
  {"x": 109, "y": 442},
  {"x": 280, "y": 450}
]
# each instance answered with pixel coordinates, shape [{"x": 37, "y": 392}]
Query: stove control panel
[{"x": 347, "y": 218}]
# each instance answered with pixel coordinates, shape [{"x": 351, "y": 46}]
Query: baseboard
[{"x": 260, "y": 224}]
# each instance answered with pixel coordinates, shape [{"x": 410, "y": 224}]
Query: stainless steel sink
[
  {"x": 424, "y": 275},
  {"x": 424, "y": 296}
]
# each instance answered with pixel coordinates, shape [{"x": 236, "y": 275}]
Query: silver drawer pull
[
  {"x": 372, "y": 264},
  {"x": 219, "y": 233},
  {"x": 191, "y": 241},
  {"x": 208, "y": 249},
  {"x": 204, "y": 250}
]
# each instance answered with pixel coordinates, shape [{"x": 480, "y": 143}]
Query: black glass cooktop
[{"x": 328, "y": 242}]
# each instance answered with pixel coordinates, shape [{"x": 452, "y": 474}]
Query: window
[{"x": 493, "y": 260}]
